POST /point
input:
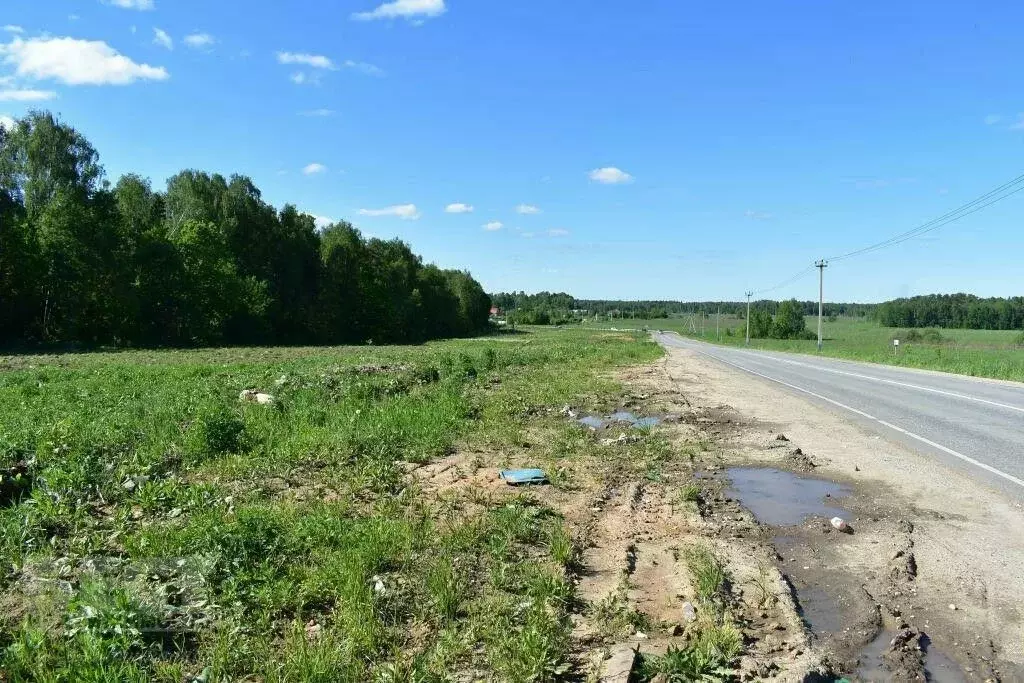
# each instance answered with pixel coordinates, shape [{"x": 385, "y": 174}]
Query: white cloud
[
  {"x": 407, "y": 9},
  {"x": 1019, "y": 124},
  {"x": 133, "y": 4},
  {"x": 458, "y": 207},
  {"x": 25, "y": 95},
  {"x": 993, "y": 119},
  {"x": 527, "y": 235},
  {"x": 161, "y": 38},
  {"x": 6, "y": 122},
  {"x": 298, "y": 78},
  {"x": 318, "y": 112},
  {"x": 610, "y": 176},
  {"x": 364, "y": 67},
  {"x": 757, "y": 215},
  {"x": 558, "y": 232},
  {"x": 493, "y": 226},
  {"x": 527, "y": 209},
  {"x": 76, "y": 62},
  {"x": 314, "y": 168},
  {"x": 314, "y": 61},
  {"x": 199, "y": 41},
  {"x": 11, "y": 28},
  {"x": 407, "y": 212},
  {"x": 73, "y": 17},
  {"x": 322, "y": 221}
]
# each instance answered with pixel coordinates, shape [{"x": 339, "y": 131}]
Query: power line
[
  {"x": 994, "y": 196},
  {"x": 804, "y": 272},
  {"x": 991, "y": 197}
]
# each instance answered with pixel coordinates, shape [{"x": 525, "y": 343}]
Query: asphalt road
[{"x": 972, "y": 424}]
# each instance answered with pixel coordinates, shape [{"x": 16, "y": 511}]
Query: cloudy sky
[{"x": 609, "y": 149}]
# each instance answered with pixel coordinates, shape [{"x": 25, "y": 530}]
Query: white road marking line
[
  {"x": 892, "y": 381},
  {"x": 901, "y": 430}
]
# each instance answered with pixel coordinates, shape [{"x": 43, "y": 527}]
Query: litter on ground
[{"x": 524, "y": 476}]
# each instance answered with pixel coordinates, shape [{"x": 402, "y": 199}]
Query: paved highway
[{"x": 973, "y": 424}]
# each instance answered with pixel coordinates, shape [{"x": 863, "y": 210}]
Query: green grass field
[
  {"x": 155, "y": 527},
  {"x": 980, "y": 353}
]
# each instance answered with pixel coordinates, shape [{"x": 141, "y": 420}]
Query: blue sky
[{"x": 609, "y": 149}]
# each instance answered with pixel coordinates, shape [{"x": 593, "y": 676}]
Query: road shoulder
[{"x": 968, "y": 558}]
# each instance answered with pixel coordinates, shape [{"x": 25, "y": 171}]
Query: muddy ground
[{"x": 925, "y": 584}]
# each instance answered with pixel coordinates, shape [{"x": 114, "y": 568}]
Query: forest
[
  {"x": 957, "y": 311},
  {"x": 205, "y": 261}
]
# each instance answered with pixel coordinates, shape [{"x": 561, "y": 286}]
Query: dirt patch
[{"x": 933, "y": 563}]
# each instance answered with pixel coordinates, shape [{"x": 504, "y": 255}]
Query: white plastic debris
[
  {"x": 839, "y": 524},
  {"x": 252, "y": 396}
]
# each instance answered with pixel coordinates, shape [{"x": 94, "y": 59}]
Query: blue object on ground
[{"x": 527, "y": 476}]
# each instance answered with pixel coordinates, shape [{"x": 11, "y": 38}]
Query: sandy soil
[{"x": 934, "y": 554}]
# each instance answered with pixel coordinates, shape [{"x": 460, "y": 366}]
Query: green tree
[
  {"x": 53, "y": 172},
  {"x": 760, "y": 324},
  {"x": 214, "y": 295},
  {"x": 18, "y": 262},
  {"x": 339, "y": 317},
  {"x": 207, "y": 261},
  {"x": 789, "y": 321}
]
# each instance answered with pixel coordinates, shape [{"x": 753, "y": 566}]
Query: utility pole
[
  {"x": 821, "y": 266},
  {"x": 749, "y": 294}
]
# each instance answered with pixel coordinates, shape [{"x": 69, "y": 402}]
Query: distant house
[{"x": 496, "y": 312}]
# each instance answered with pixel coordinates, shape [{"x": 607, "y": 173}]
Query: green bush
[
  {"x": 929, "y": 336},
  {"x": 216, "y": 431},
  {"x": 789, "y": 321}
]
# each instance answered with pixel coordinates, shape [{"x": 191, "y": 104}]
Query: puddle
[
  {"x": 938, "y": 666},
  {"x": 819, "y": 609},
  {"x": 621, "y": 416},
  {"x": 871, "y": 666},
  {"x": 781, "y": 498}
]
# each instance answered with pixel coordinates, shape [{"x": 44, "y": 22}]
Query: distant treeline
[
  {"x": 953, "y": 311},
  {"x": 205, "y": 262},
  {"x": 934, "y": 310},
  {"x": 554, "y": 308}
]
